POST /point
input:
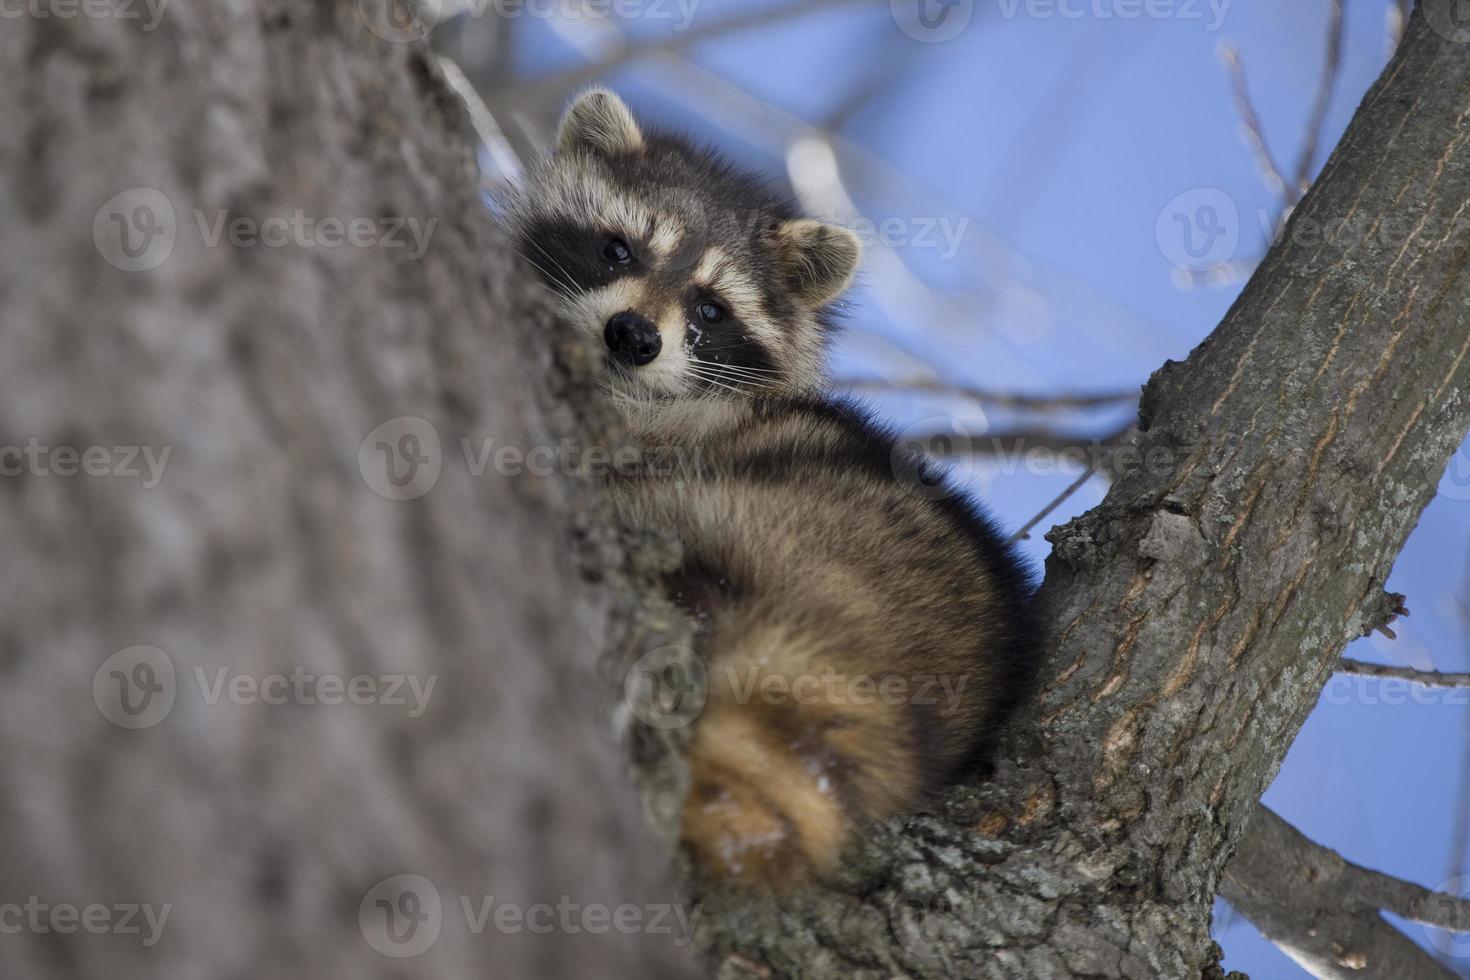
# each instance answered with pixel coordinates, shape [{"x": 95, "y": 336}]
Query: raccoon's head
[{"x": 694, "y": 277}]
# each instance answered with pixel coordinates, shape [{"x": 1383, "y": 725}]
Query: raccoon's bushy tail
[{"x": 794, "y": 749}]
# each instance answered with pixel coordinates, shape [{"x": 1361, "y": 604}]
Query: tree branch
[
  {"x": 1429, "y": 678},
  {"x": 1197, "y": 612},
  {"x": 1324, "y": 912},
  {"x": 1000, "y": 399}
]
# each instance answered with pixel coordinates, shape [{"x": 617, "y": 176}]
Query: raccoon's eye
[
  {"x": 710, "y": 312},
  {"x": 616, "y": 250}
]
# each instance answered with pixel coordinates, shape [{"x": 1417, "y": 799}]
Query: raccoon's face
[{"x": 694, "y": 278}]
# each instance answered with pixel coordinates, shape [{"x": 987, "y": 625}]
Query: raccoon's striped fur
[{"x": 864, "y": 631}]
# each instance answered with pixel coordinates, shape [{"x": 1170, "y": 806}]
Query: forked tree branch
[
  {"x": 1325, "y": 911},
  {"x": 1200, "y": 608}
]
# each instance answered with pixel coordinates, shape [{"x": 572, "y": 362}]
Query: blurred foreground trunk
[{"x": 256, "y": 660}]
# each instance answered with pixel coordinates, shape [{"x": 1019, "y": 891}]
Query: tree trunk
[
  {"x": 1197, "y": 611},
  {"x": 267, "y": 546}
]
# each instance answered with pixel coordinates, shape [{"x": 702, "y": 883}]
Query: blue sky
[{"x": 1052, "y": 145}]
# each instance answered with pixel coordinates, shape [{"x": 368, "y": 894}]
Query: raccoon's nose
[{"x": 632, "y": 339}]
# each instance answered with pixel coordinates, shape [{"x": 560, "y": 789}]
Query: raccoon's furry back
[{"x": 864, "y": 629}]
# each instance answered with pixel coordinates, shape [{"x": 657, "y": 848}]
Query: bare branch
[
  {"x": 555, "y": 88},
  {"x": 1331, "y": 66},
  {"x": 1097, "y": 451},
  {"x": 1250, "y": 123},
  {"x": 1000, "y": 399},
  {"x": 1324, "y": 911},
  {"x": 1429, "y": 678},
  {"x": 1061, "y": 498}
]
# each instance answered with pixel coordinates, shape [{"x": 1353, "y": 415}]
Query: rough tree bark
[
  {"x": 1197, "y": 611},
  {"x": 1200, "y": 608},
  {"x": 263, "y": 548}
]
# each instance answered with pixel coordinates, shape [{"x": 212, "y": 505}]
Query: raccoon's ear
[
  {"x": 819, "y": 259},
  {"x": 598, "y": 121}
]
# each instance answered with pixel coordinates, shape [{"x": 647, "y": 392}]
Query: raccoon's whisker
[
  {"x": 698, "y": 354},
  {"x": 703, "y": 350},
  {"x": 557, "y": 286},
  {"x": 566, "y": 276},
  {"x": 749, "y": 381},
  {"x": 735, "y": 388},
  {"x": 737, "y": 370},
  {"x": 707, "y": 379},
  {"x": 563, "y": 278}
]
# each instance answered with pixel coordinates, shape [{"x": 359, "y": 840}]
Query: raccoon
[{"x": 865, "y": 630}]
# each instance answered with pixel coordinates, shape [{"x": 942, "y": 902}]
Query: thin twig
[
  {"x": 1331, "y": 66},
  {"x": 1429, "y": 678},
  {"x": 1398, "y": 18},
  {"x": 1255, "y": 136},
  {"x": 1000, "y": 399},
  {"x": 1061, "y": 498},
  {"x": 481, "y": 118},
  {"x": 555, "y": 88}
]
